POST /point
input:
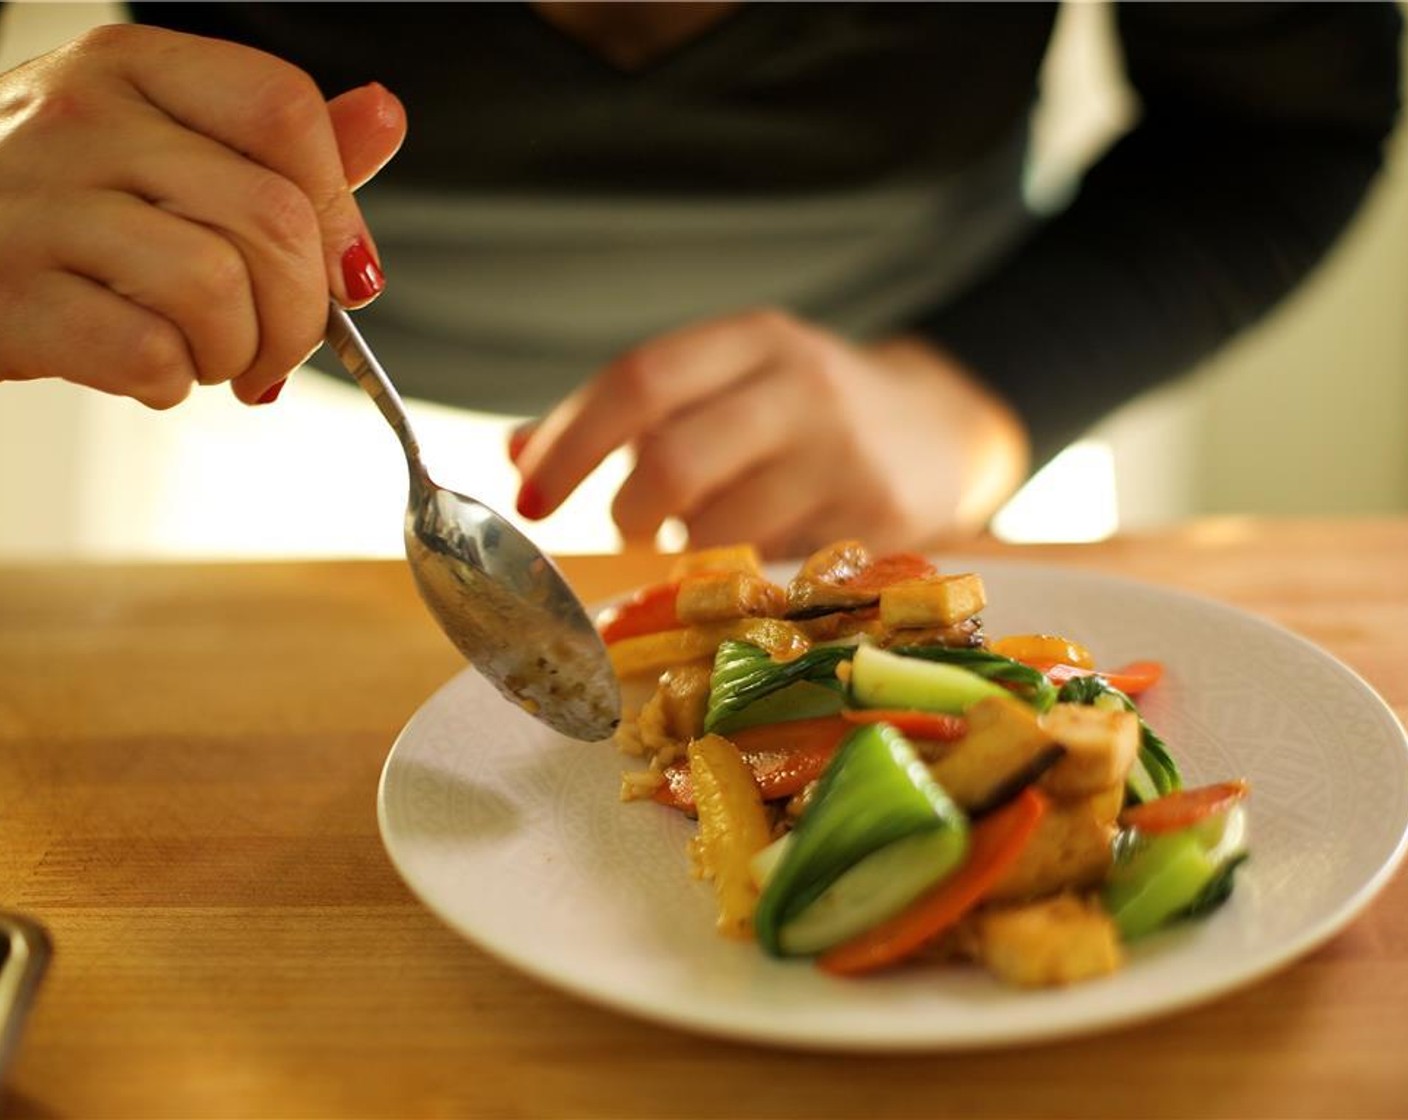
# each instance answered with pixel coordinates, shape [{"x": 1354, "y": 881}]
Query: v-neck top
[{"x": 860, "y": 164}]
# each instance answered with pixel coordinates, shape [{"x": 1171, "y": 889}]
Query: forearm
[{"x": 1194, "y": 224}]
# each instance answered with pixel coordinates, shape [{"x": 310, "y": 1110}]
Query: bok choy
[
  {"x": 749, "y": 686},
  {"x": 878, "y": 832}
]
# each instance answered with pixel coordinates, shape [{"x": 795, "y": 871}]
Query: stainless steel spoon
[{"x": 498, "y": 598}]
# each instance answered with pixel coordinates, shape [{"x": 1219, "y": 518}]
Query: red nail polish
[
  {"x": 530, "y": 503},
  {"x": 271, "y": 394},
  {"x": 361, "y": 273}
]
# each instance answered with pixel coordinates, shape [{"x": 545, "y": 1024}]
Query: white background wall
[{"x": 1307, "y": 414}]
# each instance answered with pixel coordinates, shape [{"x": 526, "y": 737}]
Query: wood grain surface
[{"x": 188, "y": 766}]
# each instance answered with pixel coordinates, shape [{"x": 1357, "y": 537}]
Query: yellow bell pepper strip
[
  {"x": 645, "y": 654},
  {"x": 1031, "y": 648},
  {"x": 995, "y": 843},
  {"x": 733, "y": 828},
  {"x": 782, "y": 757}
]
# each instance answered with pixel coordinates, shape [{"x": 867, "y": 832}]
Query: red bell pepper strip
[
  {"x": 885, "y": 570},
  {"x": 1183, "y": 808},
  {"x": 995, "y": 844},
  {"x": 935, "y": 726},
  {"x": 648, "y": 611},
  {"x": 1131, "y": 679},
  {"x": 784, "y": 757}
]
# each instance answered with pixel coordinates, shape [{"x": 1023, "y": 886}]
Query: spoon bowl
[{"x": 497, "y": 597}]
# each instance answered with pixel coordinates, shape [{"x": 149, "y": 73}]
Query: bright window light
[{"x": 1073, "y": 498}]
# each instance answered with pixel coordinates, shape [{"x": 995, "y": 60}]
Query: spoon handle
[{"x": 361, "y": 363}]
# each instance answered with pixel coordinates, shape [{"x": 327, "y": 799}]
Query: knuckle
[
  {"x": 288, "y": 105},
  {"x": 57, "y": 109},
  {"x": 115, "y": 38},
  {"x": 771, "y": 320},
  {"x": 166, "y": 395},
  {"x": 159, "y": 362},
  {"x": 220, "y": 274},
  {"x": 285, "y": 215},
  {"x": 285, "y": 350},
  {"x": 667, "y": 475},
  {"x": 823, "y": 380},
  {"x": 633, "y": 376}
]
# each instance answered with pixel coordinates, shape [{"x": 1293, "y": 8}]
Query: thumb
[{"x": 369, "y": 123}]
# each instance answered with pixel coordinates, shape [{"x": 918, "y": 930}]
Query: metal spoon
[{"x": 498, "y": 598}]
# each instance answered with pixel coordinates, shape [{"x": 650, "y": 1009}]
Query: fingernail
[
  {"x": 361, "y": 272},
  {"x": 518, "y": 440},
  {"x": 271, "y": 394},
  {"x": 530, "y": 503}
]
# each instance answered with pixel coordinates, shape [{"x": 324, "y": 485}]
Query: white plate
[{"x": 516, "y": 838}]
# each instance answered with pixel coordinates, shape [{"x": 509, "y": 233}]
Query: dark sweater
[{"x": 1261, "y": 127}]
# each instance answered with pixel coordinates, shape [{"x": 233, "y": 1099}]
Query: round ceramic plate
[{"x": 517, "y": 838}]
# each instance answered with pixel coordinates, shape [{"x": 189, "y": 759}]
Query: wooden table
[{"x": 188, "y": 766}]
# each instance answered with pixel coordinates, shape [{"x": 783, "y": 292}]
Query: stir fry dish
[{"x": 876, "y": 780}]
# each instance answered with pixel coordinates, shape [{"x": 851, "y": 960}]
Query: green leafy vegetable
[
  {"x": 885, "y": 679},
  {"x": 1161, "y": 879},
  {"x": 875, "y": 794},
  {"x": 1218, "y": 889},
  {"x": 1024, "y": 681},
  {"x": 744, "y": 674}
]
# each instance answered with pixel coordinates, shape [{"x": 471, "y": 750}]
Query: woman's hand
[
  {"x": 760, "y": 427},
  {"x": 176, "y": 210}
]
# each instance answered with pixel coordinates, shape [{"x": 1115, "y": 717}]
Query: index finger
[
  {"x": 637, "y": 392},
  {"x": 266, "y": 109}
]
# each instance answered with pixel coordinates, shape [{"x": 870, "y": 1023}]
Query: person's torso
[{"x": 853, "y": 162}]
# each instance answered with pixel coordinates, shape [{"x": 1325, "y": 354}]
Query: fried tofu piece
[
  {"x": 1071, "y": 850},
  {"x": 718, "y": 596},
  {"x": 1058, "y": 940},
  {"x": 835, "y": 562},
  {"x": 683, "y": 695},
  {"x": 1104, "y": 805},
  {"x": 1101, "y": 746},
  {"x": 932, "y": 601},
  {"x": 1003, "y": 736},
  {"x": 820, "y": 583},
  {"x": 727, "y": 558},
  {"x": 967, "y": 634}
]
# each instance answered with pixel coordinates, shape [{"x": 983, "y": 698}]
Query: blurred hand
[
  {"x": 762, "y": 428},
  {"x": 176, "y": 210}
]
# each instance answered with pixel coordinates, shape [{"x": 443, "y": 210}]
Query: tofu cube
[
  {"x": 1101, "y": 746},
  {"x": 1059, "y": 940},
  {"x": 717, "y": 596},
  {"x": 1003, "y": 736},
  {"x": 931, "y": 601},
  {"x": 1071, "y": 850}
]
